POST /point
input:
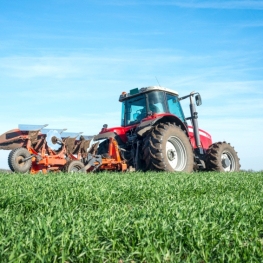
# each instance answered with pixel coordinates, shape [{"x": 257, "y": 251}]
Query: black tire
[
  {"x": 16, "y": 160},
  {"x": 74, "y": 167},
  {"x": 9, "y": 160},
  {"x": 167, "y": 148},
  {"x": 222, "y": 157}
]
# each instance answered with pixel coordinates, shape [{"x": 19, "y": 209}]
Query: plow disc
[{"x": 36, "y": 149}]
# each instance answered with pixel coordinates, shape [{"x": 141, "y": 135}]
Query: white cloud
[
  {"x": 232, "y": 89},
  {"x": 111, "y": 63},
  {"x": 31, "y": 67}
]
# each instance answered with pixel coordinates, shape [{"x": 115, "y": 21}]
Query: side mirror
[{"x": 198, "y": 100}]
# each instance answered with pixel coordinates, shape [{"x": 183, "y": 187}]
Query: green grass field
[{"x": 131, "y": 217}]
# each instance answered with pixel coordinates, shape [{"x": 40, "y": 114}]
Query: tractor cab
[{"x": 139, "y": 104}]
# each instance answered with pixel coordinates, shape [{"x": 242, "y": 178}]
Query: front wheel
[
  {"x": 222, "y": 157},
  {"x": 167, "y": 148}
]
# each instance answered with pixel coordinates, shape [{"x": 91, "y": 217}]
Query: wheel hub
[
  {"x": 20, "y": 161},
  {"x": 171, "y": 154},
  {"x": 226, "y": 162},
  {"x": 176, "y": 153}
]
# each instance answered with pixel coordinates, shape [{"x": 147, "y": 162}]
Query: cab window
[
  {"x": 174, "y": 106},
  {"x": 156, "y": 102},
  {"x": 133, "y": 110}
]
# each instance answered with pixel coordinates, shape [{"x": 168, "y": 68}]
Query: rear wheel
[
  {"x": 19, "y": 160},
  {"x": 167, "y": 148},
  {"x": 222, "y": 157},
  {"x": 74, "y": 167}
]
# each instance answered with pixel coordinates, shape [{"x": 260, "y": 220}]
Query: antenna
[{"x": 157, "y": 81}]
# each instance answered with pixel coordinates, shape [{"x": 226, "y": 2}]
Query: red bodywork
[{"x": 206, "y": 139}]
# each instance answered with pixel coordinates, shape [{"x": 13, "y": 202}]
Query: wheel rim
[
  {"x": 228, "y": 161},
  {"x": 176, "y": 153},
  {"x": 20, "y": 161}
]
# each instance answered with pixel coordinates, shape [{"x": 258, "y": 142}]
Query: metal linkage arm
[{"x": 92, "y": 161}]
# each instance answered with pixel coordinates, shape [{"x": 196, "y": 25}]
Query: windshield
[
  {"x": 133, "y": 110},
  {"x": 156, "y": 102},
  {"x": 174, "y": 106}
]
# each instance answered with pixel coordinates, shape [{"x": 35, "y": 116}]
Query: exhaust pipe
[{"x": 194, "y": 116}]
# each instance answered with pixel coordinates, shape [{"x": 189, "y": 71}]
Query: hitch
[{"x": 92, "y": 161}]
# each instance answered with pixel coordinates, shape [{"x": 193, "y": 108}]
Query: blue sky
[{"x": 65, "y": 63}]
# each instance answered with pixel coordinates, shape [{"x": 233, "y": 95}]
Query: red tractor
[{"x": 154, "y": 135}]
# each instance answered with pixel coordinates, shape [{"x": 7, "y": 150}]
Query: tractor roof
[{"x": 135, "y": 92}]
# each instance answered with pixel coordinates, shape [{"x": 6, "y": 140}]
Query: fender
[
  {"x": 119, "y": 133},
  {"x": 105, "y": 135},
  {"x": 148, "y": 124}
]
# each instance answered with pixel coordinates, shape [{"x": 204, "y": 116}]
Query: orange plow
[{"x": 35, "y": 149}]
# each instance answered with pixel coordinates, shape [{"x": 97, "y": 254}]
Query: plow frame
[{"x": 45, "y": 159}]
